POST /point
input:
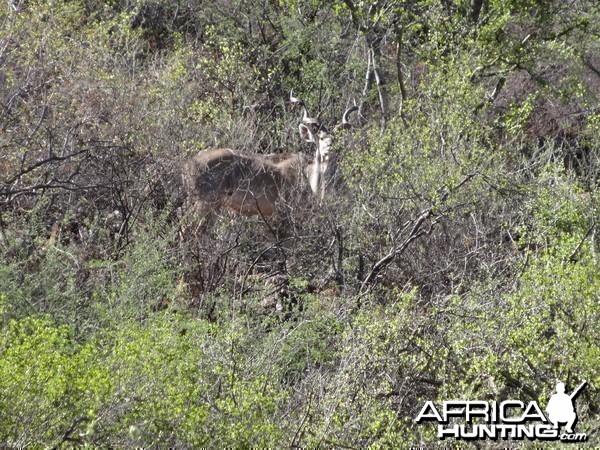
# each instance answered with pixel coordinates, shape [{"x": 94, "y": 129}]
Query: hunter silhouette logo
[
  {"x": 509, "y": 419},
  {"x": 560, "y": 407}
]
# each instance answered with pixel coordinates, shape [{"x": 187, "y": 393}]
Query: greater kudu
[{"x": 256, "y": 184}]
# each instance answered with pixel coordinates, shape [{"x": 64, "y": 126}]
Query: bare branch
[
  {"x": 44, "y": 162},
  {"x": 415, "y": 233}
]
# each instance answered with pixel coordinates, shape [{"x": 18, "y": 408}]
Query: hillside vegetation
[{"x": 456, "y": 256}]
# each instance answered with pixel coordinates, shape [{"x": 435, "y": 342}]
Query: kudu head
[{"x": 321, "y": 171}]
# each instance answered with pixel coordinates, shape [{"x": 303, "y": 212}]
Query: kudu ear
[{"x": 306, "y": 134}]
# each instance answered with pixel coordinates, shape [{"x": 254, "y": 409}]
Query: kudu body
[{"x": 255, "y": 184}]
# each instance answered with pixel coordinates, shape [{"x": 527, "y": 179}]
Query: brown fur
[{"x": 249, "y": 184}]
